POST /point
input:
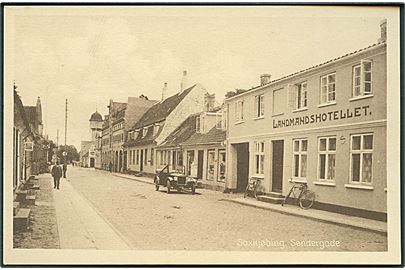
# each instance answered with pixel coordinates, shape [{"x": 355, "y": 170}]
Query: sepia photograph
[{"x": 162, "y": 134}]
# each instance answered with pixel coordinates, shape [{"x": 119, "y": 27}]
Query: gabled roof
[
  {"x": 181, "y": 133},
  {"x": 214, "y": 136},
  {"x": 373, "y": 46},
  {"x": 161, "y": 110}
]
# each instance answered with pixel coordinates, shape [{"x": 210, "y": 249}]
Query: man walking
[
  {"x": 56, "y": 173},
  {"x": 64, "y": 167}
]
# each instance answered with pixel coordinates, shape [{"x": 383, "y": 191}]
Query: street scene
[{"x": 180, "y": 129}]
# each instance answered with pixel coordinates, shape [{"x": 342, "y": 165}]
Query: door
[
  {"x": 200, "y": 164},
  {"x": 91, "y": 162},
  {"x": 141, "y": 161},
  {"x": 277, "y": 165},
  {"x": 242, "y": 163}
]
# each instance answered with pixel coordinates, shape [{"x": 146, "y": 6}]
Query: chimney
[
  {"x": 383, "y": 29},
  {"x": 183, "y": 81},
  {"x": 264, "y": 79},
  {"x": 209, "y": 102},
  {"x": 164, "y": 91}
]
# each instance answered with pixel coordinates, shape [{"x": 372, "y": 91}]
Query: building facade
[
  {"x": 157, "y": 124},
  {"x": 90, "y": 155},
  {"x": 121, "y": 117},
  {"x": 325, "y": 126}
]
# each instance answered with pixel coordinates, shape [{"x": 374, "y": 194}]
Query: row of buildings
[
  {"x": 30, "y": 148},
  {"x": 325, "y": 126}
]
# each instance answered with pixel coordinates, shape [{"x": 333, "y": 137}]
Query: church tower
[{"x": 96, "y": 123}]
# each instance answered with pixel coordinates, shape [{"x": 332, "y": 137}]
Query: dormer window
[
  {"x": 144, "y": 131},
  {"x": 136, "y": 133},
  {"x": 155, "y": 129}
]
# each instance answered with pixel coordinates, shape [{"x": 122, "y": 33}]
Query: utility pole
[
  {"x": 57, "y": 138},
  {"x": 66, "y": 111}
]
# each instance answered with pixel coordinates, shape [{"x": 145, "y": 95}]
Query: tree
[{"x": 71, "y": 151}]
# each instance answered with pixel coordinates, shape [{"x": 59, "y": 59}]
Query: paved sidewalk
[
  {"x": 323, "y": 216},
  {"x": 79, "y": 225}
]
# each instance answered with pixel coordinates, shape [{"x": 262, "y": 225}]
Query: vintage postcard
[{"x": 201, "y": 134}]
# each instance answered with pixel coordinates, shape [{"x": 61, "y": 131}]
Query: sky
[{"x": 91, "y": 55}]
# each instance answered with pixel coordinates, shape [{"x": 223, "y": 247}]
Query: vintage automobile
[{"x": 174, "y": 179}]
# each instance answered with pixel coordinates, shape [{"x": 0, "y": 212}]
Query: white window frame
[
  {"x": 362, "y": 78},
  {"x": 326, "y": 152},
  {"x": 327, "y": 88},
  {"x": 239, "y": 111},
  {"x": 259, "y": 157},
  {"x": 144, "y": 132},
  {"x": 300, "y": 153},
  {"x": 301, "y": 97},
  {"x": 361, "y": 151},
  {"x": 259, "y": 106}
]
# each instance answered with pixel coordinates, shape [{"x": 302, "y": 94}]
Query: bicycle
[
  {"x": 254, "y": 188},
  {"x": 306, "y": 197}
]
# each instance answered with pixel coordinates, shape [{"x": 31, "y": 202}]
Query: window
[
  {"x": 361, "y": 158},
  {"x": 146, "y": 157},
  {"x": 197, "y": 124},
  {"x": 137, "y": 157},
  {"x": 300, "y": 148},
  {"x": 259, "y": 158},
  {"x": 301, "y": 96},
  {"x": 327, "y": 158},
  {"x": 218, "y": 121},
  {"x": 221, "y": 165},
  {"x": 151, "y": 156},
  {"x": 328, "y": 88},
  {"x": 239, "y": 111},
  {"x": 224, "y": 119},
  {"x": 155, "y": 129},
  {"x": 362, "y": 75},
  {"x": 210, "y": 164},
  {"x": 259, "y": 106},
  {"x": 144, "y": 131}
]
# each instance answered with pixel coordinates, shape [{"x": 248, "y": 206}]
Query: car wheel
[
  {"x": 168, "y": 186},
  {"x": 156, "y": 183}
]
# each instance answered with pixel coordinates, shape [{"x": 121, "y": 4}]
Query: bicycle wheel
[
  {"x": 307, "y": 199},
  {"x": 287, "y": 196},
  {"x": 246, "y": 191}
]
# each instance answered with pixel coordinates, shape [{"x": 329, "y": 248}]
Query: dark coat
[{"x": 56, "y": 172}]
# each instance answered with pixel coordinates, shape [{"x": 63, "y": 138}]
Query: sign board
[
  {"x": 64, "y": 153},
  {"x": 29, "y": 146}
]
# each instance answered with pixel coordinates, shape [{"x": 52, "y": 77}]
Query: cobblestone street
[{"x": 149, "y": 220}]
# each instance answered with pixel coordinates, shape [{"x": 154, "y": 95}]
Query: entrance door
[
  {"x": 242, "y": 163},
  {"x": 277, "y": 166},
  {"x": 141, "y": 161},
  {"x": 91, "y": 162},
  {"x": 200, "y": 164},
  {"x": 125, "y": 161}
]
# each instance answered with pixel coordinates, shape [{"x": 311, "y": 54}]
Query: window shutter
[{"x": 291, "y": 89}]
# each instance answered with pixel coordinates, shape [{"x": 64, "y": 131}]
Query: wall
[{"x": 371, "y": 111}]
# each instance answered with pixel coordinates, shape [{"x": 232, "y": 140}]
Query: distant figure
[
  {"x": 56, "y": 173},
  {"x": 64, "y": 167},
  {"x": 110, "y": 166}
]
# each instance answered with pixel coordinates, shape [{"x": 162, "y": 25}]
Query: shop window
[
  {"x": 221, "y": 165},
  {"x": 239, "y": 111},
  {"x": 259, "y": 106},
  {"x": 300, "y": 148},
  {"x": 327, "y": 158},
  {"x": 361, "y": 158},
  {"x": 259, "y": 158},
  {"x": 328, "y": 88},
  {"x": 301, "y": 96},
  {"x": 362, "y": 79},
  {"x": 210, "y": 164}
]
